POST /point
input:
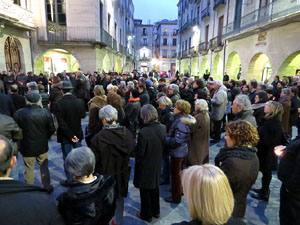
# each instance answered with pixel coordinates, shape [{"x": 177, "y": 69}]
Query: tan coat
[{"x": 199, "y": 142}]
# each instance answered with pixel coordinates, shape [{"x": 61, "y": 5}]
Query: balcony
[
  {"x": 145, "y": 59},
  {"x": 185, "y": 52},
  {"x": 186, "y": 26},
  {"x": 216, "y": 44},
  {"x": 144, "y": 43},
  {"x": 60, "y": 34},
  {"x": 174, "y": 33},
  {"x": 277, "y": 13},
  {"x": 219, "y": 3},
  {"x": 205, "y": 13},
  {"x": 16, "y": 15},
  {"x": 203, "y": 48},
  {"x": 193, "y": 51},
  {"x": 165, "y": 34}
]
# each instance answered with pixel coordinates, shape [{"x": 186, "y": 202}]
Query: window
[
  {"x": 190, "y": 42},
  {"x": 174, "y": 43},
  {"x": 120, "y": 39},
  {"x": 144, "y": 31},
  {"x": 186, "y": 44},
  {"x": 108, "y": 22},
  {"x": 165, "y": 53},
  {"x": 165, "y": 32},
  {"x": 116, "y": 30},
  {"x": 144, "y": 43},
  {"x": 174, "y": 32},
  {"x": 165, "y": 41},
  {"x": 173, "y": 53},
  {"x": 18, "y": 2},
  {"x": 56, "y": 11},
  {"x": 101, "y": 15}
]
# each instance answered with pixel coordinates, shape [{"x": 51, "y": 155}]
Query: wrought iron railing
[
  {"x": 205, "y": 13},
  {"x": 203, "y": 48},
  {"x": 218, "y": 3},
  {"x": 275, "y": 10},
  {"x": 216, "y": 43}
]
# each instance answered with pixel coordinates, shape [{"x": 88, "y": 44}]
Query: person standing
[
  {"x": 37, "y": 126},
  {"x": 69, "y": 111},
  {"x": 18, "y": 100}
]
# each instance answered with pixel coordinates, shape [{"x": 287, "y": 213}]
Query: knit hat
[{"x": 33, "y": 97}]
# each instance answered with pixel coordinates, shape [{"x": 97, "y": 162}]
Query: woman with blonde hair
[
  {"x": 208, "y": 196},
  {"x": 199, "y": 141},
  {"x": 271, "y": 134}
]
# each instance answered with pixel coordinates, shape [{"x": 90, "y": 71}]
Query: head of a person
[
  {"x": 241, "y": 133},
  {"x": 201, "y": 105},
  {"x": 164, "y": 102},
  {"x": 66, "y": 86},
  {"x": 198, "y": 83},
  {"x": 261, "y": 87},
  {"x": 252, "y": 85},
  {"x": 232, "y": 83},
  {"x": 276, "y": 78},
  {"x": 285, "y": 92},
  {"x": 162, "y": 81},
  {"x": 280, "y": 85},
  {"x": 32, "y": 86},
  {"x": 217, "y": 84},
  {"x": 142, "y": 88},
  {"x": 208, "y": 194},
  {"x": 80, "y": 163},
  {"x": 115, "y": 100},
  {"x": 13, "y": 89},
  {"x": 294, "y": 91},
  {"x": 191, "y": 80},
  {"x": 108, "y": 115},
  {"x": 273, "y": 110},
  {"x": 33, "y": 99},
  {"x": 245, "y": 89},
  {"x": 148, "y": 114},
  {"x": 111, "y": 88},
  {"x": 173, "y": 89},
  {"x": 241, "y": 103},
  {"x": 134, "y": 93},
  {"x": 182, "y": 106},
  {"x": 261, "y": 97},
  {"x": 7, "y": 158},
  {"x": 41, "y": 87},
  {"x": 99, "y": 90}
]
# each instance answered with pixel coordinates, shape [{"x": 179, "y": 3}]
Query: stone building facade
[{"x": 254, "y": 38}]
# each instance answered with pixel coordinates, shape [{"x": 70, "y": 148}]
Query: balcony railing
[
  {"x": 193, "y": 50},
  {"x": 185, "y": 52},
  {"x": 218, "y": 3},
  {"x": 216, "y": 44},
  {"x": 203, "y": 48},
  {"x": 265, "y": 15},
  {"x": 205, "y": 13},
  {"x": 186, "y": 26},
  {"x": 74, "y": 34},
  {"x": 165, "y": 34},
  {"x": 144, "y": 43}
]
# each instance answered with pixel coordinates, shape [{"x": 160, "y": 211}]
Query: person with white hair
[
  {"x": 111, "y": 88},
  {"x": 198, "y": 144},
  {"x": 173, "y": 93},
  {"x": 219, "y": 103},
  {"x": 90, "y": 198},
  {"x": 242, "y": 110},
  {"x": 112, "y": 147}
]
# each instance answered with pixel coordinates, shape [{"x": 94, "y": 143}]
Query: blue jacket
[{"x": 179, "y": 134}]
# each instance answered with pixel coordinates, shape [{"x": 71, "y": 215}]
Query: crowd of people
[{"x": 166, "y": 125}]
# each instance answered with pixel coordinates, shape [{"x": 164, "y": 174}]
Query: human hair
[
  {"x": 183, "y": 106},
  {"x": 286, "y": 91},
  {"x": 164, "y": 100},
  {"x": 243, "y": 133},
  {"x": 218, "y": 82},
  {"x": 174, "y": 87},
  {"x": 253, "y": 83},
  {"x": 6, "y": 154},
  {"x": 32, "y": 85},
  {"x": 294, "y": 90},
  {"x": 162, "y": 80},
  {"x": 263, "y": 87},
  {"x": 13, "y": 88},
  {"x": 149, "y": 114},
  {"x": 243, "y": 101},
  {"x": 263, "y": 96},
  {"x": 208, "y": 194},
  {"x": 80, "y": 162},
  {"x": 201, "y": 105},
  {"x": 99, "y": 90},
  {"x": 109, "y": 113},
  {"x": 115, "y": 100},
  {"x": 41, "y": 87},
  {"x": 199, "y": 82},
  {"x": 276, "y": 110},
  {"x": 112, "y": 87},
  {"x": 135, "y": 93}
]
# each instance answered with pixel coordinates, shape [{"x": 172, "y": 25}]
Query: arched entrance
[
  {"x": 194, "y": 67},
  {"x": 204, "y": 66},
  {"x": 56, "y": 61},
  {"x": 290, "y": 65},
  {"x": 12, "y": 54},
  {"x": 260, "y": 67},
  {"x": 218, "y": 68},
  {"x": 107, "y": 65},
  {"x": 233, "y": 65}
]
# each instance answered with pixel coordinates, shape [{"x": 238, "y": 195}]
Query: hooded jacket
[
  {"x": 30, "y": 203},
  {"x": 179, "y": 134},
  {"x": 88, "y": 204},
  {"x": 112, "y": 147}
]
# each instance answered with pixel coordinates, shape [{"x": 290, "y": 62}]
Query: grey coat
[
  {"x": 246, "y": 115},
  {"x": 219, "y": 103}
]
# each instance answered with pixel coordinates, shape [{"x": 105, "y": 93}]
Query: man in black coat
[
  {"x": 21, "y": 81},
  {"x": 144, "y": 96},
  {"x": 37, "y": 126},
  {"x": 18, "y": 100},
  {"x": 289, "y": 174},
  {"x": 22, "y": 203},
  {"x": 6, "y": 105},
  {"x": 112, "y": 147},
  {"x": 69, "y": 111}
]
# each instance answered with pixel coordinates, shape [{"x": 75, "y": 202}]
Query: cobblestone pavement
[{"x": 258, "y": 212}]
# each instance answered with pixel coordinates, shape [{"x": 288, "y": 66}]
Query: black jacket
[
  {"x": 9, "y": 128},
  {"x": 240, "y": 164},
  {"x": 6, "y": 105},
  {"x": 132, "y": 112},
  {"x": 166, "y": 117},
  {"x": 37, "y": 126},
  {"x": 112, "y": 147},
  {"x": 148, "y": 156},
  {"x": 25, "y": 204},
  {"x": 144, "y": 98},
  {"x": 18, "y": 101},
  {"x": 55, "y": 96},
  {"x": 69, "y": 111},
  {"x": 270, "y": 135},
  {"x": 294, "y": 116},
  {"x": 88, "y": 204}
]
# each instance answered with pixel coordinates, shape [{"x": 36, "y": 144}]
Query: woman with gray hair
[
  {"x": 112, "y": 147},
  {"x": 173, "y": 93},
  {"x": 198, "y": 144},
  {"x": 148, "y": 158},
  {"x": 90, "y": 199}
]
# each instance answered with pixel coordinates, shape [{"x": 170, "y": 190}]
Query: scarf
[
  {"x": 284, "y": 99},
  {"x": 134, "y": 99}
]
